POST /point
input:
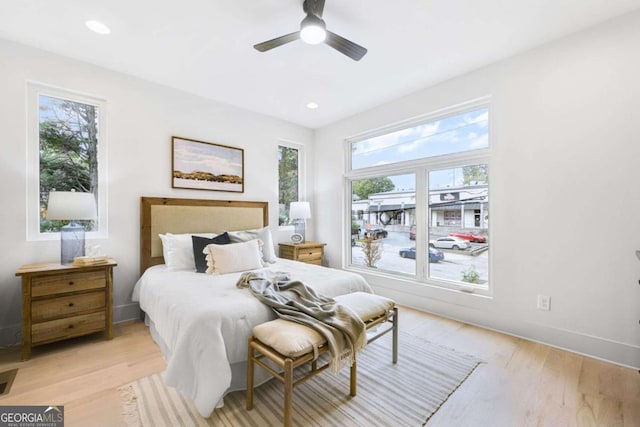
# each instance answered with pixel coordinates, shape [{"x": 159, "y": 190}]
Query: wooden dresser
[
  {"x": 65, "y": 301},
  {"x": 309, "y": 252}
]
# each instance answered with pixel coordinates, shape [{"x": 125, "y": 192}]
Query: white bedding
[{"x": 204, "y": 322}]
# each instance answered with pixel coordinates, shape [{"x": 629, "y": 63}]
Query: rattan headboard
[{"x": 160, "y": 215}]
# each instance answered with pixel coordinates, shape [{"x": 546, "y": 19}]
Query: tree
[
  {"x": 287, "y": 180},
  {"x": 364, "y": 187},
  {"x": 475, "y": 173},
  {"x": 372, "y": 251},
  {"x": 68, "y": 151}
]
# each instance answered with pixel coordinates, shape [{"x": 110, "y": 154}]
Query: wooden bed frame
[{"x": 159, "y": 215}]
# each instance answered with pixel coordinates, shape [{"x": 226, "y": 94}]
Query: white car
[{"x": 450, "y": 243}]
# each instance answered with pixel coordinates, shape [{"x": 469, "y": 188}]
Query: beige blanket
[{"x": 292, "y": 300}]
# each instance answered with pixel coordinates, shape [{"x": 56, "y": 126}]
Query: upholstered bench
[{"x": 289, "y": 345}]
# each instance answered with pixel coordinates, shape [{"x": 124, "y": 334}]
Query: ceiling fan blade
[
  {"x": 278, "y": 41},
  {"x": 315, "y": 7},
  {"x": 344, "y": 46}
]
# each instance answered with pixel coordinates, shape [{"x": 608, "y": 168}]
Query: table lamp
[
  {"x": 71, "y": 206},
  {"x": 299, "y": 211}
]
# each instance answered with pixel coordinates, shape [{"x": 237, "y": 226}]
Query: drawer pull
[
  {"x": 70, "y": 326},
  {"x": 70, "y": 304}
]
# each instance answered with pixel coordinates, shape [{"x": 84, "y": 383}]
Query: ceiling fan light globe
[
  {"x": 313, "y": 30},
  {"x": 313, "y": 34}
]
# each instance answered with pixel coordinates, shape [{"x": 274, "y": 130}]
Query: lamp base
[
  {"x": 71, "y": 242},
  {"x": 300, "y": 230}
]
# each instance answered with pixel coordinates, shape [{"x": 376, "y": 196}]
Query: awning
[
  {"x": 456, "y": 206},
  {"x": 385, "y": 208}
]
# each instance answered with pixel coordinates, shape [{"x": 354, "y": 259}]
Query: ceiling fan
[{"x": 313, "y": 30}]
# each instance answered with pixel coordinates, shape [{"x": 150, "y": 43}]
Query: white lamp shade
[
  {"x": 71, "y": 205},
  {"x": 299, "y": 210}
]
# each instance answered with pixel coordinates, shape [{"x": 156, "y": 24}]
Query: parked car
[
  {"x": 450, "y": 243},
  {"x": 408, "y": 253},
  {"x": 376, "y": 233},
  {"x": 434, "y": 254},
  {"x": 467, "y": 235},
  {"x": 412, "y": 232}
]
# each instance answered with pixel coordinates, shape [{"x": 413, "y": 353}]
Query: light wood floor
[{"x": 521, "y": 384}]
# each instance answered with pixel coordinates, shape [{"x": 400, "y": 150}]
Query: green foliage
[
  {"x": 475, "y": 173},
  {"x": 470, "y": 275},
  {"x": 354, "y": 226},
  {"x": 68, "y": 152},
  {"x": 287, "y": 181},
  {"x": 364, "y": 187}
]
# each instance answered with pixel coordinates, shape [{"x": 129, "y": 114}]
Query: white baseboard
[
  {"x": 11, "y": 335},
  {"x": 126, "y": 312},
  {"x": 619, "y": 353}
]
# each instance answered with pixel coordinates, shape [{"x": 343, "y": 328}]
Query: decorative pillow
[
  {"x": 264, "y": 234},
  {"x": 222, "y": 259},
  {"x": 177, "y": 250},
  {"x": 199, "y": 243}
]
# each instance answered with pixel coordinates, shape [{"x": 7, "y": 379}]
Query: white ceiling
[{"x": 205, "y": 46}]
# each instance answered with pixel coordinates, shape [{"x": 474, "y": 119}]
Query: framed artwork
[{"x": 199, "y": 165}]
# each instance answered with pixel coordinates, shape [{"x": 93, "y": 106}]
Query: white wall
[
  {"x": 141, "y": 118},
  {"x": 565, "y": 157}
]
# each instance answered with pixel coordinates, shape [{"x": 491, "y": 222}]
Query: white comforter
[{"x": 204, "y": 321}]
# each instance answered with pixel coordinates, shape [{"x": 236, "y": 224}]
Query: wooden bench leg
[
  {"x": 353, "y": 379},
  {"x": 395, "y": 335},
  {"x": 250, "y": 375},
  {"x": 288, "y": 392}
]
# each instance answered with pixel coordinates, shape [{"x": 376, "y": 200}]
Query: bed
[{"x": 201, "y": 322}]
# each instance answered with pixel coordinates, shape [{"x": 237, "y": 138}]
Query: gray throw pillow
[{"x": 264, "y": 234}]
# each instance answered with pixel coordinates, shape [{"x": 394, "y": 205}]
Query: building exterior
[{"x": 461, "y": 207}]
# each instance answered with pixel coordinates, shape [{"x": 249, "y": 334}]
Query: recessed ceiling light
[
  {"x": 97, "y": 27},
  {"x": 312, "y": 105}
]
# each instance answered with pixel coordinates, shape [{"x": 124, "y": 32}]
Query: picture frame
[{"x": 200, "y": 165}]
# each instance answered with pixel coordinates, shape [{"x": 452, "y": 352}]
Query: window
[
  {"x": 452, "y": 218},
  {"x": 423, "y": 190},
  {"x": 387, "y": 212},
  {"x": 448, "y": 135},
  {"x": 459, "y": 225},
  {"x": 289, "y": 180},
  {"x": 65, "y": 153}
]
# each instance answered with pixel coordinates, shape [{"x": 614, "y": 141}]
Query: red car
[{"x": 467, "y": 235}]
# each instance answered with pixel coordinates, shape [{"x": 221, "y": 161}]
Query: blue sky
[{"x": 455, "y": 134}]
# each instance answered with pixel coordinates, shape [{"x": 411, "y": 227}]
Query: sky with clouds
[
  {"x": 190, "y": 156},
  {"x": 455, "y": 134}
]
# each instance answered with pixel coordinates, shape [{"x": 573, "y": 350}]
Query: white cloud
[
  {"x": 189, "y": 157},
  {"x": 482, "y": 119}
]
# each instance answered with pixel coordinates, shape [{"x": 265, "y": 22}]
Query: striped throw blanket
[{"x": 293, "y": 300}]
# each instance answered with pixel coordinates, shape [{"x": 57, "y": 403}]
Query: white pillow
[
  {"x": 177, "y": 250},
  {"x": 222, "y": 259},
  {"x": 264, "y": 234}
]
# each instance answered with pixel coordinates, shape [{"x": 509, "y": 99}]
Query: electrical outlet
[{"x": 544, "y": 302}]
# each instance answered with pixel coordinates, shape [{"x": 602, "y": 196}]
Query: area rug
[{"x": 406, "y": 394}]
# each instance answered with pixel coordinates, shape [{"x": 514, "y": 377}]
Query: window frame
[
  {"x": 421, "y": 168},
  {"x": 34, "y": 90},
  {"x": 302, "y": 181}
]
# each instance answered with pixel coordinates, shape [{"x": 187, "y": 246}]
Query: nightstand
[
  {"x": 309, "y": 252},
  {"x": 65, "y": 301}
]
